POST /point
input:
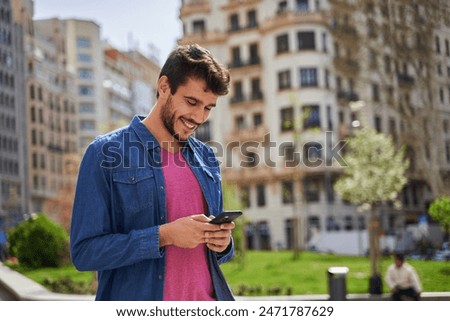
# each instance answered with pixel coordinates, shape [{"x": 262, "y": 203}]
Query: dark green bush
[{"x": 38, "y": 242}]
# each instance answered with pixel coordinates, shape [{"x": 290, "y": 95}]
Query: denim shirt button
[
  {"x": 132, "y": 178},
  {"x": 160, "y": 277},
  {"x": 161, "y": 187}
]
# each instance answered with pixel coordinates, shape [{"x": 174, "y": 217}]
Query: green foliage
[
  {"x": 440, "y": 211},
  {"x": 38, "y": 242},
  {"x": 231, "y": 201},
  {"x": 375, "y": 172}
]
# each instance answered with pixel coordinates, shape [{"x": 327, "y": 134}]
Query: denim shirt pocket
[
  {"x": 134, "y": 189},
  {"x": 214, "y": 188}
]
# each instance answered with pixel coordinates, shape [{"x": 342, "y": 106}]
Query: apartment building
[
  {"x": 305, "y": 74},
  {"x": 13, "y": 160},
  {"x": 83, "y": 54},
  {"x": 129, "y": 85}
]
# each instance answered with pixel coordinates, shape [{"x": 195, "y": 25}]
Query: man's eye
[{"x": 192, "y": 102}]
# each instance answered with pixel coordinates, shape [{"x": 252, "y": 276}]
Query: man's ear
[{"x": 163, "y": 86}]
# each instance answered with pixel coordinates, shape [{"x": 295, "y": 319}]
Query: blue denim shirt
[{"x": 120, "y": 202}]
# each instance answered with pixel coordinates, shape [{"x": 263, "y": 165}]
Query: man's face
[{"x": 187, "y": 109}]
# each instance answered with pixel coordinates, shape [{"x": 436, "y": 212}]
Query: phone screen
[{"x": 226, "y": 217}]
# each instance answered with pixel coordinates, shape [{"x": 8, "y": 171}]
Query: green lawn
[
  {"x": 263, "y": 273},
  {"x": 277, "y": 271}
]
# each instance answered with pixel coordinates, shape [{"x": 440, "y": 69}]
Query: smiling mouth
[{"x": 188, "y": 124}]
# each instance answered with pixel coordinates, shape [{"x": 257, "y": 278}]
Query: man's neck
[{"x": 155, "y": 126}]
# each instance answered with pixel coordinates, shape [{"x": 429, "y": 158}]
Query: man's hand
[
  {"x": 187, "y": 232},
  {"x": 218, "y": 241}
]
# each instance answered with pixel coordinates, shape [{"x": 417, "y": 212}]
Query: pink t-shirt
[{"x": 187, "y": 276}]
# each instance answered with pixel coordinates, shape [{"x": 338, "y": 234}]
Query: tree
[
  {"x": 39, "y": 242},
  {"x": 232, "y": 202},
  {"x": 440, "y": 212},
  {"x": 375, "y": 174}
]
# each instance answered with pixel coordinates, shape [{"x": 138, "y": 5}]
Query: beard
[{"x": 168, "y": 119}]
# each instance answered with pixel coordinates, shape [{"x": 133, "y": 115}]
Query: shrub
[{"x": 38, "y": 242}]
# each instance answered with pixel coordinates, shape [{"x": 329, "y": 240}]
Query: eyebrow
[{"x": 199, "y": 101}]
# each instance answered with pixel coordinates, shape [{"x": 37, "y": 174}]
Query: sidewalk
[{"x": 16, "y": 287}]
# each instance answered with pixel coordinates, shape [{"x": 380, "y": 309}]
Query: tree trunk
[
  {"x": 374, "y": 241},
  {"x": 375, "y": 285}
]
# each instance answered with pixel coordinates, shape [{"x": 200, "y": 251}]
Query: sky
[{"x": 126, "y": 24}]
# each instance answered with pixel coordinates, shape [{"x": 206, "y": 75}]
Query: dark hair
[
  {"x": 193, "y": 61},
  {"x": 400, "y": 257}
]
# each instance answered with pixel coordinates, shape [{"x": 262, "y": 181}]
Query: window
[
  {"x": 324, "y": 42},
  {"x": 302, "y": 5},
  {"x": 85, "y": 73},
  {"x": 377, "y": 122},
  {"x": 234, "y": 22},
  {"x": 198, "y": 26},
  {"x": 306, "y": 40},
  {"x": 311, "y": 189},
  {"x": 84, "y": 58},
  {"x": 236, "y": 57},
  {"x": 438, "y": 45},
  {"x": 257, "y": 120},
  {"x": 245, "y": 196},
  {"x": 249, "y": 159},
  {"x": 287, "y": 119},
  {"x": 332, "y": 225},
  {"x": 288, "y": 152},
  {"x": 312, "y": 153},
  {"x": 87, "y": 125},
  {"x": 311, "y": 117},
  {"x": 282, "y": 7},
  {"x": 203, "y": 132},
  {"x": 287, "y": 192},
  {"x": 85, "y": 90},
  {"x": 240, "y": 122},
  {"x": 254, "y": 56},
  {"x": 260, "y": 195},
  {"x": 376, "y": 92},
  {"x": 83, "y": 42},
  {"x": 282, "y": 43},
  {"x": 251, "y": 19},
  {"x": 314, "y": 222},
  {"x": 256, "y": 89},
  {"x": 238, "y": 94},
  {"x": 348, "y": 223},
  {"x": 87, "y": 108},
  {"x": 308, "y": 77},
  {"x": 284, "y": 79}
]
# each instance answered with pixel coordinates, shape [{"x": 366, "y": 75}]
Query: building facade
[
  {"x": 305, "y": 74},
  {"x": 13, "y": 160}
]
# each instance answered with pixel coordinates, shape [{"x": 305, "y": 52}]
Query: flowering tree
[
  {"x": 440, "y": 212},
  {"x": 375, "y": 174}
]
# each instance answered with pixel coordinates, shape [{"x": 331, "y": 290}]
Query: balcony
[
  {"x": 240, "y": 174},
  {"x": 292, "y": 18},
  {"x": 347, "y": 96},
  {"x": 405, "y": 80},
  {"x": 194, "y": 7},
  {"x": 243, "y": 98},
  {"x": 346, "y": 34},
  {"x": 248, "y": 134},
  {"x": 204, "y": 37},
  {"x": 349, "y": 67},
  {"x": 342, "y": 5},
  {"x": 240, "y": 63}
]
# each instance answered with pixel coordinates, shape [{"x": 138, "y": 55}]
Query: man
[
  {"x": 145, "y": 194},
  {"x": 403, "y": 280}
]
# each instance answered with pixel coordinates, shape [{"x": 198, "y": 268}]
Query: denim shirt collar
[{"x": 147, "y": 138}]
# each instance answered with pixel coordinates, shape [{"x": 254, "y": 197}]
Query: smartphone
[{"x": 226, "y": 217}]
